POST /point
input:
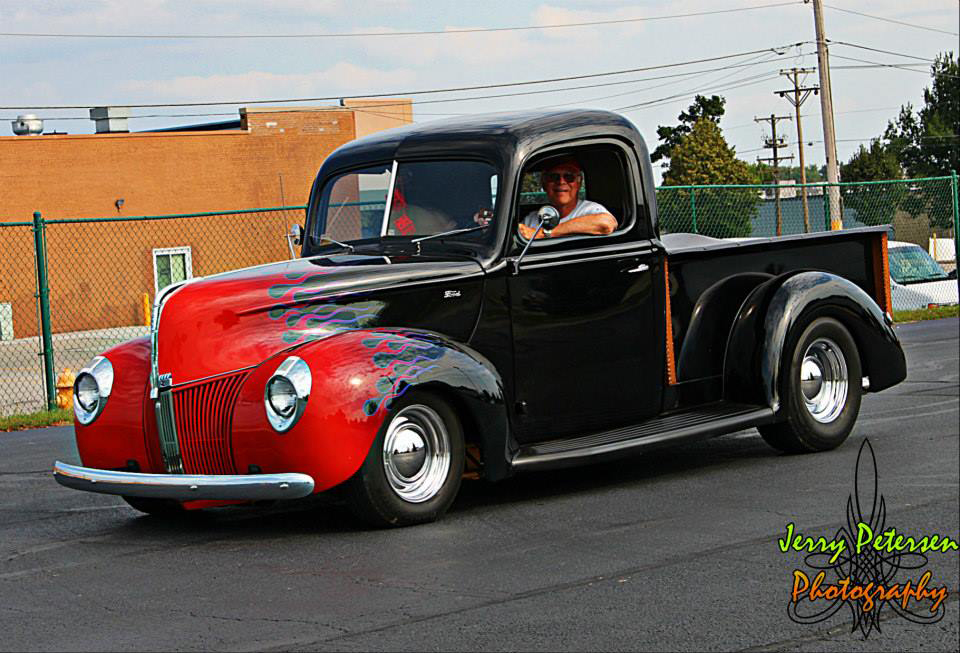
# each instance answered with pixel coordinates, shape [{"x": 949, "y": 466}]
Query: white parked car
[{"x": 916, "y": 280}]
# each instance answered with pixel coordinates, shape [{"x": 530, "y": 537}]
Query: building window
[{"x": 171, "y": 265}]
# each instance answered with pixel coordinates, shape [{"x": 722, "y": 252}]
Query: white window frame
[{"x": 166, "y": 251}]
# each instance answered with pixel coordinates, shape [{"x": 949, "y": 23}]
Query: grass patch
[
  {"x": 36, "y": 420},
  {"x": 934, "y": 313}
]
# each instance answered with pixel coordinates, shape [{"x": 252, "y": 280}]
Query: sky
[{"x": 46, "y": 71}]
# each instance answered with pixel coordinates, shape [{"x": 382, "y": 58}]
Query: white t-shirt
[{"x": 583, "y": 207}]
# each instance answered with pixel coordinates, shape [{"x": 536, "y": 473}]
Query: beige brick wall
[{"x": 99, "y": 272}]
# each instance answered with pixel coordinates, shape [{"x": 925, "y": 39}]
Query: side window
[
  {"x": 590, "y": 187},
  {"x": 171, "y": 265}
]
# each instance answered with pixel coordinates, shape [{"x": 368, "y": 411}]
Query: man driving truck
[{"x": 561, "y": 179}]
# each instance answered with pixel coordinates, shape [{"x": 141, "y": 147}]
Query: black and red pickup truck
[{"x": 419, "y": 338}]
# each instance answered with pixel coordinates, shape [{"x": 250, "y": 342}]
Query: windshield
[
  {"x": 913, "y": 265},
  {"x": 425, "y": 198}
]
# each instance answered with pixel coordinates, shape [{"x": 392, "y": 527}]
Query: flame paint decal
[
  {"x": 302, "y": 285},
  {"x": 403, "y": 358},
  {"x": 308, "y": 322}
]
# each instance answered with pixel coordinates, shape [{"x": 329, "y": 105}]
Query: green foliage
[
  {"x": 710, "y": 108},
  {"x": 926, "y": 142},
  {"x": 875, "y": 204},
  {"x": 934, "y": 313},
  {"x": 703, "y": 157},
  {"x": 879, "y": 163},
  {"x": 36, "y": 420}
]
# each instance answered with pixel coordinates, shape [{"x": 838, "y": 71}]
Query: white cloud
[{"x": 254, "y": 85}]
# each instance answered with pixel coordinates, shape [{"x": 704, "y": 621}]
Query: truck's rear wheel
[
  {"x": 820, "y": 392},
  {"x": 412, "y": 472}
]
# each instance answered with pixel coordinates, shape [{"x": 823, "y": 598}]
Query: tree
[
  {"x": 710, "y": 108},
  {"x": 874, "y": 204},
  {"x": 703, "y": 157},
  {"x": 876, "y": 164},
  {"x": 926, "y": 142}
]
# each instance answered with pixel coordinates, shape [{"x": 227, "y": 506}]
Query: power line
[
  {"x": 900, "y": 66},
  {"x": 745, "y": 82},
  {"x": 473, "y": 30},
  {"x": 691, "y": 75},
  {"x": 777, "y": 50},
  {"x": 382, "y": 105},
  {"x": 864, "y": 47},
  {"x": 891, "y": 20}
]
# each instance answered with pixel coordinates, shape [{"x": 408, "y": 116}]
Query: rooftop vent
[
  {"x": 27, "y": 124},
  {"x": 110, "y": 120}
]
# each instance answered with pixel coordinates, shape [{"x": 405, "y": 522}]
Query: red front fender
[{"x": 355, "y": 377}]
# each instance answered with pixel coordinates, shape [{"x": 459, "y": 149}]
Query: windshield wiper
[
  {"x": 442, "y": 234},
  {"x": 323, "y": 241}
]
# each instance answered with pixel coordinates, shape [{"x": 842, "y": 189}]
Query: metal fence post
[
  {"x": 693, "y": 207},
  {"x": 43, "y": 294},
  {"x": 826, "y": 208},
  {"x": 956, "y": 225}
]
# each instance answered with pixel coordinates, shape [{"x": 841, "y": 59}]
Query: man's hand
[
  {"x": 483, "y": 217},
  {"x": 527, "y": 232}
]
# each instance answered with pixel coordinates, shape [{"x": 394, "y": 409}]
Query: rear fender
[
  {"x": 356, "y": 377},
  {"x": 774, "y": 314}
]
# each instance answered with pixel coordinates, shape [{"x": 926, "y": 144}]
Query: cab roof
[{"x": 499, "y": 137}]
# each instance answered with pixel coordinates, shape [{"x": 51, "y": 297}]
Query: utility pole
[
  {"x": 800, "y": 94},
  {"x": 826, "y": 107},
  {"x": 775, "y": 144}
]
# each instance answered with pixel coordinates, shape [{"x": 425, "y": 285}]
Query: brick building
[{"x": 100, "y": 272}]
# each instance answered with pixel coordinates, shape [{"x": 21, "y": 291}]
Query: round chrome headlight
[
  {"x": 87, "y": 392},
  {"x": 286, "y": 393},
  {"x": 91, "y": 389}
]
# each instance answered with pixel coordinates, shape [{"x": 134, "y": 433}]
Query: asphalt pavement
[{"x": 674, "y": 550}]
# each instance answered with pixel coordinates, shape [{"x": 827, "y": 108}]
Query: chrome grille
[
  {"x": 203, "y": 415},
  {"x": 167, "y": 428}
]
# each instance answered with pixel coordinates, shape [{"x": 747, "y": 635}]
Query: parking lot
[{"x": 672, "y": 550}]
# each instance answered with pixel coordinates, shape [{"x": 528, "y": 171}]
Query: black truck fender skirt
[
  {"x": 470, "y": 383},
  {"x": 772, "y": 317}
]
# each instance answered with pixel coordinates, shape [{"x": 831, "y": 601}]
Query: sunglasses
[{"x": 554, "y": 177}]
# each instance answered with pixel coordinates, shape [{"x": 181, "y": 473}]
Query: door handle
[{"x": 643, "y": 267}]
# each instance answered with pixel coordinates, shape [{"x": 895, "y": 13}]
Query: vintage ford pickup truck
[{"x": 420, "y": 339}]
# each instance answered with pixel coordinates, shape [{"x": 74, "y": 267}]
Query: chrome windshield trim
[
  {"x": 184, "y": 487},
  {"x": 389, "y": 200},
  {"x": 158, "y": 302}
]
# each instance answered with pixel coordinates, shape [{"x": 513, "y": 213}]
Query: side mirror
[
  {"x": 295, "y": 237},
  {"x": 549, "y": 219}
]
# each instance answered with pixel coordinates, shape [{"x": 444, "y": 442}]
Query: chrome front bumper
[{"x": 184, "y": 487}]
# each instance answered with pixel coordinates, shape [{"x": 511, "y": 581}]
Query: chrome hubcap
[
  {"x": 823, "y": 380},
  {"x": 416, "y": 453}
]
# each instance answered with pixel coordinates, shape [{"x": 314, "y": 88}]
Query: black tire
[
  {"x": 157, "y": 507},
  {"x": 372, "y": 492},
  {"x": 822, "y": 421}
]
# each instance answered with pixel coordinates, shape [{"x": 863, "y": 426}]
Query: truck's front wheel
[
  {"x": 412, "y": 472},
  {"x": 820, "y": 392}
]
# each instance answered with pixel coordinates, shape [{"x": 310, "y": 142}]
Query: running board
[{"x": 687, "y": 426}]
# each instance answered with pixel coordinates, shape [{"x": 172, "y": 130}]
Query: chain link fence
[
  {"x": 96, "y": 278},
  {"x": 921, "y": 213},
  {"x": 21, "y": 365},
  {"x": 102, "y": 275}
]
